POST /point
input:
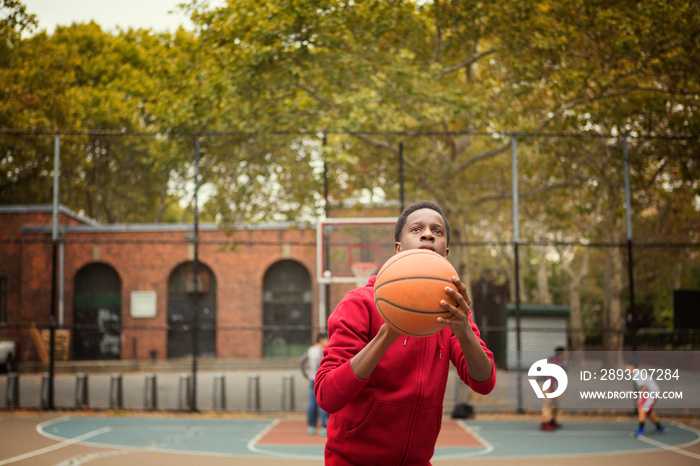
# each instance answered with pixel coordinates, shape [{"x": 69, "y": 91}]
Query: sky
[{"x": 109, "y": 14}]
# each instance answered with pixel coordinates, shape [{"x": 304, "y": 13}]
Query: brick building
[{"x": 128, "y": 291}]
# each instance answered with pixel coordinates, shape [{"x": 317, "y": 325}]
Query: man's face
[{"x": 424, "y": 229}]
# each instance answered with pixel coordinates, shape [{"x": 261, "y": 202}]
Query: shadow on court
[{"x": 29, "y": 438}]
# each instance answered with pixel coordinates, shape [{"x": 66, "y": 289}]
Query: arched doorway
[
  {"x": 286, "y": 309},
  {"x": 191, "y": 307},
  {"x": 97, "y": 305}
]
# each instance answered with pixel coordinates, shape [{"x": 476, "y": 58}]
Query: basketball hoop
[{"x": 362, "y": 271}]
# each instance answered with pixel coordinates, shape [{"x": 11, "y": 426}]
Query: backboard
[{"x": 348, "y": 249}]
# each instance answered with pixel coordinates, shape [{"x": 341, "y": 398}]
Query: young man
[
  {"x": 385, "y": 391},
  {"x": 647, "y": 388},
  {"x": 311, "y": 360}
]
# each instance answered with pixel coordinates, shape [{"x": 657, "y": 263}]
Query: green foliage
[
  {"x": 14, "y": 20},
  {"x": 260, "y": 81},
  {"x": 267, "y": 67}
]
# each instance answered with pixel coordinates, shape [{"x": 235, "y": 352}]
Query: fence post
[
  {"x": 116, "y": 394},
  {"x": 630, "y": 257},
  {"x": 516, "y": 275},
  {"x": 253, "y": 392},
  {"x": 288, "y": 392},
  {"x": 45, "y": 390},
  {"x": 195, "y": 270},
  {"x": 184, "y": 394},
  {"x": 219, "y": 392},
  {"x": 150, "y": 395},
  {"x": 12, "y": 390},
  {"x": 81, "y": 391}
]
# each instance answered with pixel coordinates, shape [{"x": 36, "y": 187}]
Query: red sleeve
[
  {"x": 349, "y": 330},
  {"x": 483, "y": 387}
]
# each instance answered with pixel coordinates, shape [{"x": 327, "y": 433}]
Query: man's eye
[{"x": 438, "y": 232}]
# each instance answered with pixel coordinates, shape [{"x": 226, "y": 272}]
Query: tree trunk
[
  {"x": 576, "y": 333},
  {"x": 613, "y": 310},
  {"x": 543, "y": 294}
]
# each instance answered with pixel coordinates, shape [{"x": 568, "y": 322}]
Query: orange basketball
[{"x": 408, "y": 291}]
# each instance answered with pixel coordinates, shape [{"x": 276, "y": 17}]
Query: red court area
[{"x": 293, "y": 432}]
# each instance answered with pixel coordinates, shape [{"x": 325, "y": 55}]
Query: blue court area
[{"x": 274, "y": 438}]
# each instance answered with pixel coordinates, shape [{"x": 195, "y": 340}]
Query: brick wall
[{"x": 144, "y": 257}]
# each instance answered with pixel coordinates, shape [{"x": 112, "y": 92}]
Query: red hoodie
[{"x": 394, "y": 417}]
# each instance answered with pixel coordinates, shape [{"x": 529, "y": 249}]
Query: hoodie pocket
[
  {"x": 381, "y": 436},
  {"x": 386, "y": 435}
]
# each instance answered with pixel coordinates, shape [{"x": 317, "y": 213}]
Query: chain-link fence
[{"x": 123, "y": 255}]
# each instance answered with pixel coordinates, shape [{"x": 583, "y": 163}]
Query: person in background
[
  {"x": 550, "y": 406},
  {"x": 646, "y": 402},
  {"x": 308, "y": 364}
]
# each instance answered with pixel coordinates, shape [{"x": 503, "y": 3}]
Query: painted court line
[
  {"x": 476, "y": 435},
  {"x": 162, "y": 445},
  {"x": 57, "y": 446},
  {"x": 89, "y": 457},
  {"x": 674, "y": 448},
  {"x": 255, "y": 441},
  {"x": 488, "y": 447},
  {"x": 253, "y": 448}
]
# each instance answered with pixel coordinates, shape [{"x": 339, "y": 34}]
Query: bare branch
[
  {"x": 531, "y": 192},
  {"x": 373, "y": 141},
  {"x": 469, "y": 62},
  {"x": 484, "y": 156},
  {"x": 312, "y": 92}
]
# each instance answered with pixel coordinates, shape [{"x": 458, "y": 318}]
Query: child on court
[
  {"x": 311, "y": 360},
  {"x": 647, "y": 389},
  {"x": 385, "y": 391}
]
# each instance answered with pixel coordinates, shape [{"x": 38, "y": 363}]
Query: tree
[
  {"x": 272, "y": 91},
  {"x": 98, "y": 86}
]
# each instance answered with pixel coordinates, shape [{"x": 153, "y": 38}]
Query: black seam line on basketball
[
  {"x": 421, "y": 251},
  {"x": 404, "y": 332},
  {"x": 407, "y": 333},
  {"x": 415, "y": 311},
  {"x": 414, "y": 278}
]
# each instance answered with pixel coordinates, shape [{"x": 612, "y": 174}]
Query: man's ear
[
  {"x": 397, "y": 246},
  {"x": 447, "y": 252}
]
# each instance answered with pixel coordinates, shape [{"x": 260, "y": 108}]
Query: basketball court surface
[{"x": 108, "y": 439}]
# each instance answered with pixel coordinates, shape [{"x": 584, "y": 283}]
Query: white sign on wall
[{"x": 143, "y": 304}]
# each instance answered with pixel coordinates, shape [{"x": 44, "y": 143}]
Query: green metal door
[{"x": 97, "y": 307}]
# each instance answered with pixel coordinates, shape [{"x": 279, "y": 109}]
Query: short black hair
[
  {"x": 320, "y": 336},
  {"x": 559, "y": 349},
  {"x": 401, "y": 221}
]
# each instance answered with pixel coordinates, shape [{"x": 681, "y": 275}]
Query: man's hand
[
  {"x": 479, "y": 365},
  {"x": 459, "y": 322}
]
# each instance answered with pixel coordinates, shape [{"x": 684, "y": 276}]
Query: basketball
[{"x": 408, "y": 291}]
